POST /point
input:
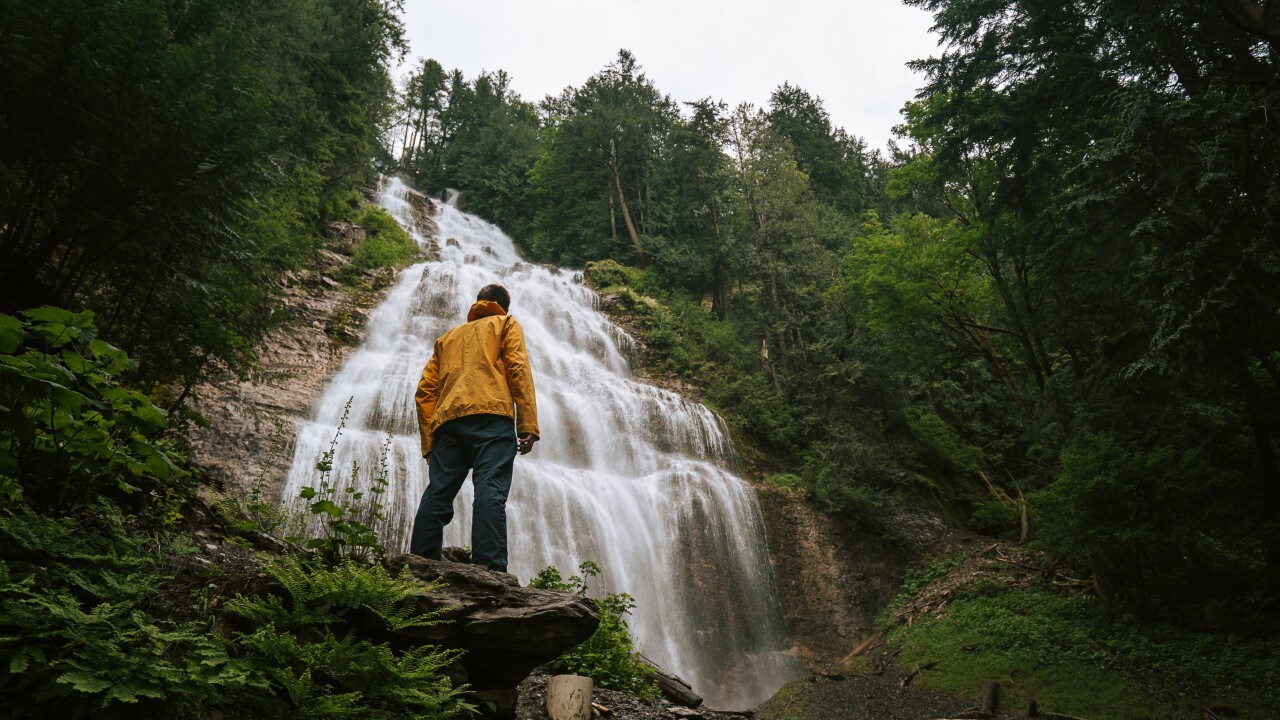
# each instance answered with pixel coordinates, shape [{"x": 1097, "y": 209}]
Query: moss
[
  {"x": 1068, "y": 652},
  {"x": 386, "y": 244},
  {"x": 787, "y": 704}
]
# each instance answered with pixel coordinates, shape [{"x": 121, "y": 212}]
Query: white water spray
[{"x": 627, "y": 475}]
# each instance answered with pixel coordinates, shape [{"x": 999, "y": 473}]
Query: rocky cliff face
[
  {"x": 836, "y": 578},
  {"x": 249, "y": 438}
]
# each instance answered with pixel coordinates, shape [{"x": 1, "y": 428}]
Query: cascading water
[{"x": 627, "y": 475}]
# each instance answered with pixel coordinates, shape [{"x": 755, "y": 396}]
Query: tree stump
[{"x": 569, "y": 697}]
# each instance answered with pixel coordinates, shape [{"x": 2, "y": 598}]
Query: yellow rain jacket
[{"x": 480, "y": 367}]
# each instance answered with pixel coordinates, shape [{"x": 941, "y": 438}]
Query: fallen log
[
  {"x": 868, "y": 644},
  {"x": 671, "y": 686}
]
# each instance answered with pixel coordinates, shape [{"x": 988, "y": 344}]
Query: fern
[
  {"x": 81, "y": 637},
  {"x": 345, "y": 675}
]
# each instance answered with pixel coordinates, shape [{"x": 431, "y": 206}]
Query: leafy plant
[
  {"x": 609, "y": 656},
  {"x": 314, "y": 657},
  {"x": 78, "y": 628},
  {"x": 90, "y": 626},
  {"x": 69, "y": 431},
  {"x": 348, "y": 528}
]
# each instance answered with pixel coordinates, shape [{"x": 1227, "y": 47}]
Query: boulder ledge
[{"x": 506, "y": 630}]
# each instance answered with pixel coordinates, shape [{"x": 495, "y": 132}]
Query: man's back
[{"x": 478, "y": 368}]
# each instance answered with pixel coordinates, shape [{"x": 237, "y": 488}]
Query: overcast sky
[{"x": 851, "y": 53}]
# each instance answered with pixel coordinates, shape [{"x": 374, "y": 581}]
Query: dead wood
[
  {"x": 906, "y": 679},
  {"x": 869, "y": 644},
  {"x": 672, "y": 687},
  {"x": 990, "y": 697}
]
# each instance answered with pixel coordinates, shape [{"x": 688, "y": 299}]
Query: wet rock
[
  {"x": 835, "y": 579},
  {"x": 506, "y": 630},
  {"x": 248, "y": 438},
  {"x": 343, "y": 236}
]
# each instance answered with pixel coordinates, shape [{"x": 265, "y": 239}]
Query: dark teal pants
[{"x": 484, "y": 445}]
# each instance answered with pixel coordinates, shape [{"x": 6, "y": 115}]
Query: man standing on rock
[{"x": 475, "y": 396}]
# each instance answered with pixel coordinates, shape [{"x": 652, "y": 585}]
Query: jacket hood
[{"x": 484, "y": 308}]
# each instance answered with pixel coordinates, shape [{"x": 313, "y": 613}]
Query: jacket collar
[{"x": 484, "y": 308}]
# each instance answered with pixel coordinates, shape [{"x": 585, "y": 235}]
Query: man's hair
[{"x": 496, "y": 293}]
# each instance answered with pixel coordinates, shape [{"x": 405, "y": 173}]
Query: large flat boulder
[{"x": 506, "y": 630}]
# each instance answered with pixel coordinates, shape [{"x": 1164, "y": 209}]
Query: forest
[
  {"x": 1049, "y": 311},
  {"x": 1056, "y": 293}
]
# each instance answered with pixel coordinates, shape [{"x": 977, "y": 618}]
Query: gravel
[
  {"x": 833, "y": 697},
  {"x": 621, "y": 706}
]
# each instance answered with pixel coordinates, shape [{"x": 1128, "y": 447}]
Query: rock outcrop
[
  {"x": 506, "y": 630},
  {"x": 835, "y": 579},
  {"x": 248, "y": 439}
]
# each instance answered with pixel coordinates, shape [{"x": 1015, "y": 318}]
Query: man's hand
[{"x": 525, "y": 443}]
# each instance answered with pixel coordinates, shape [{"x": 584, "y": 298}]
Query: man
[{"x": 477, "y": 382}]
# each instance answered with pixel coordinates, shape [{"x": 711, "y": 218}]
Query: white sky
[{"x": 851, "y": 53}]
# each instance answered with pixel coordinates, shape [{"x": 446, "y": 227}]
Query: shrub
[
  {"x": 342, "y": 205},
  {"x": 69, "y": 432},
  {"x": 609, "y": 656},
  {"x": 386, "y": 244},
  {"x": 1144, "y": 521}
]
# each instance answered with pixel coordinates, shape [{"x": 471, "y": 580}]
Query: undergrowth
[
  {"x": 1073, "y": 654},
  {"x": 90, "y": 626},
  {"x": 609, "y": 656},
  {"x": 107, "y": 612}
]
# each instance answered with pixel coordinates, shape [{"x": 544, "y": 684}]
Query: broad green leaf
[
  {"x": 11, "y": 333},
  {"x": 119, "y": 359},
  {"x": 160, "y": 465},
  {"x": 50, "y": 314},
  {"x": 326, "y": 506}
]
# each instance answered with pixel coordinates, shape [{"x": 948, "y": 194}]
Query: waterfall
[{"x": 629, "y": 476}]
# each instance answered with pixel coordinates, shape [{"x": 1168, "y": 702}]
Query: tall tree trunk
[
  {"x": 622, "y": 203},
  {"x": 613, "y": 218}
]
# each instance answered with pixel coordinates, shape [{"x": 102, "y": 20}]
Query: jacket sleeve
[
  {"x": 520, "y": 379},
  {"x": 426, "y": 398}
]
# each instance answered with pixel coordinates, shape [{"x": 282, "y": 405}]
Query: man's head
[{"x": 497, "y": 294}]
